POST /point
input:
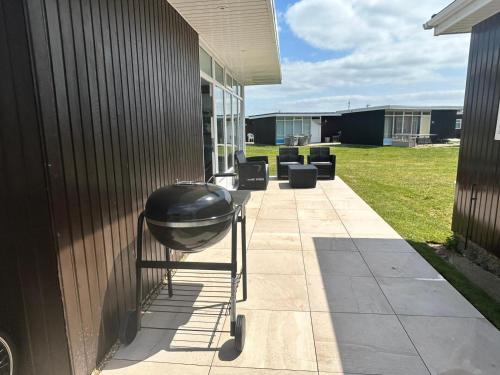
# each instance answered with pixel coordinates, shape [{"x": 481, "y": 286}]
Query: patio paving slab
[
  {"x": 346, "y": 263},
  {"x": 275, "y": 340},
  {"x": 276, "y": 226},
  {"x": 277, "y": 262},
  {"x": 385, "y": 264},
  {"x": 317, "y": 214},
  {"x": 277, "y": 213},
  {"x": 322, "y": 226},
  {"x": 276, "y": 292},
  {"x": 431, "y": 297},
  {"x": 346, "y": 294},
  {"x": 274, "y": 241},
  {"x": 380, "y": 244},
  {"x": 279, "y": 195},
  {"x": 272, "y": 202},
  {"x": 325, "y": 241},
  {"x": 172, "y": 346},
  {"x": 455, "y": 345},
  {"x": 123, "y": 367},
  {"x": 312, "y": 205},
  {"x": 256, "y": 371},
  {"x": 364, "y": 344}
]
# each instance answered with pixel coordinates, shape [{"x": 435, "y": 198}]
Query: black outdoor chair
[
  {"x": 320, "y": 157},
  {"x": 287, "y": 156},
  {"x": 253, "y": 172}
]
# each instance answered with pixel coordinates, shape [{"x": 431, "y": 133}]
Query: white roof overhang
[
  {"x": 461, "y": 15},
  {"x": 242, "y": 34}
]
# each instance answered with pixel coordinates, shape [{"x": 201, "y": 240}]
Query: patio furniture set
[{"x": 253, "y": 172}]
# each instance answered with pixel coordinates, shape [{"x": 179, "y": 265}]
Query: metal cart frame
[{"x": 133, "y": 320}]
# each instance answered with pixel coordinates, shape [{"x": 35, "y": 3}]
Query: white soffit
[
  {"x": 461, "y": 15},
  {"x": 242, "y": 33}
]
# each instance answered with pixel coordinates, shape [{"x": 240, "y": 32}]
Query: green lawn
[{"x": 413, "y": 190}]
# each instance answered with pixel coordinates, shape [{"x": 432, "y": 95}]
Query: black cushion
[
  {"x": 320, "y": 153},
  {"x": 288, "y": 154}
]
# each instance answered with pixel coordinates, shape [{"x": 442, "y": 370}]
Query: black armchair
[
  {"x": 253, "y": 172},
  {"x": 321, "y": 158},
  {"x": 287, "y": 156}
]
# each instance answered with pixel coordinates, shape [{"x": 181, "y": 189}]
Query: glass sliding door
[
  {"x": 388, "y": 125},
  {"x": 219, "y": 113},
  {"x": 223, "y": 121},
  {"x": 236, "y": 124},
  {"x": 306, "y": 126},
  {"x": 229, "y": 130},
  {"x": 288, "y": 126},
  {"x": 207, "y": 116},
  {"x": 407, "y": 124},
  {"x": 297, "y": 126},
  {"x": 280, "y": 131}
]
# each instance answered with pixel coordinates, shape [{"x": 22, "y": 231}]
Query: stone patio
[{"x": 333, "y": 289}]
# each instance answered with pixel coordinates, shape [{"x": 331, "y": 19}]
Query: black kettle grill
[{"x": 189, "y": 217}]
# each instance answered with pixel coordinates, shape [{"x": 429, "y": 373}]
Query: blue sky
[{"x": 366, "y": 52}]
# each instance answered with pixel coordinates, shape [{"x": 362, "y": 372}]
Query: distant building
[
  {"x": 273, "y": 128},
  {"x": 383, "y": 125}
]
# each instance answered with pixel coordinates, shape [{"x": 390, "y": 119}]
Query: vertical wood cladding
[
  {"x": 479, "y": 160},
  {"x": 111, "y": 111},
  {"x": 363, "y": 128},
  {"x": 264, "y": 130},
  {"x": 31, "y": 309},
  {"x": 443, "y": 123}
]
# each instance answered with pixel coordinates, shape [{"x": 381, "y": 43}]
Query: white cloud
[
  {"x": 342, "y": 24},
  {"x": 383, "y": 44}
]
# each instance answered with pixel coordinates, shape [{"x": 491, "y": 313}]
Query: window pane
[
  {"x": 297, "y": 126},
  {"x": 236, "y": 124},
  {"x": 288, "y": 126},
  {"x": 205, "y": 62},
  {"x": 415, "y": 126},
  {"x": 229, "y": 131},
  {"x": 219, "y": 112},
  {"x": 398, "y": 125},
  {"x": 229, "y": 81},
  {"x": 407, "y": 125},
  {"x": 458, "y": 123},
  {"x": 306, "y": 126},
  {"x": 235, "y": 87},
  {"x": 388, "y": 126},
  {"x": 219, "y": 73},
  {"x": 280, "y": 132}
]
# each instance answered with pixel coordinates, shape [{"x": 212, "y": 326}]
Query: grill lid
[{"x": 188, "y": 203}]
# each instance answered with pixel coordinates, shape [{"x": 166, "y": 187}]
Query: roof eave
[{"x": 460, "y": 16}]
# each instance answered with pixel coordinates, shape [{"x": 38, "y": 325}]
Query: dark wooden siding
[
  {"x": 31, "y": 309},
  {"x": 443, "y": 123},
  {"x": 330, "y": 126},
  {"x": 363, "y": 128},
  {"x": 264, "y": 130},
  {"x": 479, "y": 160},
  {"x": 112, "y": 111}
]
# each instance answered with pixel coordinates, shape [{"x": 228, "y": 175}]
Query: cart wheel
[
  {"x": 8, "y": 359},
  {"x": 129, "y": 327},
  {"x": 239, "y": 333}
]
